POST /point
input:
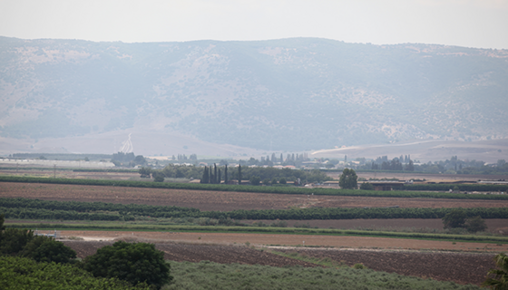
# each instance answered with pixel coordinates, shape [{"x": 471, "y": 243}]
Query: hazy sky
[{"x": 471, "y": 23}]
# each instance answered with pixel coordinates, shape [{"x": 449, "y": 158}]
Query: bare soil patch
[{"x": 221, "y": 200}]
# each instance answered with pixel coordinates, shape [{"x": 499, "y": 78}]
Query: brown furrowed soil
[
  {"x": 383, "y": 255},
  {"x": 221, "y": 200}
]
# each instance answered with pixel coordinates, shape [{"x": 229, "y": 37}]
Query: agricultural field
[
  {"x": 462, "y": 268},
  {"x": 224, "y": 200},
  {"x": 441, "y": 259},
  {"x": 290, "y": 240}
]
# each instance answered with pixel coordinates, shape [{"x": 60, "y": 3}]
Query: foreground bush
[
  {"x": 15, "y": 242},
  {"x": 23, "y": 273},
  {"x": 497, "y": 279},
  {"x": 134, "y": 263}
]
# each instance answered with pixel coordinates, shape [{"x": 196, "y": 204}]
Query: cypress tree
[
  {"x": 206, "y": 177},
  {"x": 214, "y": 173},
  {"x": 218, "y": 177},
  {"x": 239, "y": 174},
  {"x": 226, "y": 174},
  {"x": 210, "y": 173}
]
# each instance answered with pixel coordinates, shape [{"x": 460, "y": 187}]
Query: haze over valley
[{"x": 245, "y": 97}]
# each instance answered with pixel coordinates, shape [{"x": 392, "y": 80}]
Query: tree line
[{"x": 223, "y": 174}]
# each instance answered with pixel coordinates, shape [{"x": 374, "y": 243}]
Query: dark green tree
[
  {"x": 410, "y": 166},
  {"x": 254, "y": 180},
  {"x": 45, "y": 249},
  {"x": 226, "y": 174},
  {"x": 475, "y": 224},
  {"x": 14, "y": 240},
  {"x": 206, "y": 176},
  {"x": 219, "y": 177},
  {"x": 282, "y": 180},
  {"x": 135, "y": 263},
  {"x": 274, "y": 180},
  {"x": 455, "y": 219},
  {"x": 145, "y": 172},
  {"x": 2, "y": 227},
  {"x": 239, "y": 174},
  {"x": 158, "y": 176},
  {"x": 500, "y": 280},
  {"x": 266, "y": 181},
  {"x": 348, "y": 179},
  {"x": 366, "y": 186},
  {"x": 211, "y": 178},
  {"x": 214, "y": 174}
]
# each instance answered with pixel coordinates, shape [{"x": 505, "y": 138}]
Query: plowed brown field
[
  {"x": 220, "y": 200},
  {"x": 445, "y": 266}
]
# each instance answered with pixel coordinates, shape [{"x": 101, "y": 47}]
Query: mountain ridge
[{"x": 288, "y": 94}]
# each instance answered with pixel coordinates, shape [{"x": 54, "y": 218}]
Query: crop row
[
  {"x": 247, "y": 188},
  {"x": 134, "y": 209},
  {"x": 45, "y": 207},
  {"x": 354, "y": 213}
]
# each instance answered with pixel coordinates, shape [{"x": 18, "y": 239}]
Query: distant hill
[{"x": 289, "y": 94}]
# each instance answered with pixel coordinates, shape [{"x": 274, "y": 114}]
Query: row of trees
[
  {"x": 215, "y": 176},
  {"x": 395, "y": 164}
]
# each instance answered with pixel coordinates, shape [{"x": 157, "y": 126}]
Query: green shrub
[
  {"x": 14, "y": 240},
  {"x": 49, "y": 251},
  {"x": 366, "y": 186},
  {"x": 475, "y": 224},
  {"x": 134, "y": 263},
  {"x": 359, "y": 266}
]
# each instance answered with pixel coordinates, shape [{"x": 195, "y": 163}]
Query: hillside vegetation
[{"x": 289, "y": 94}]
